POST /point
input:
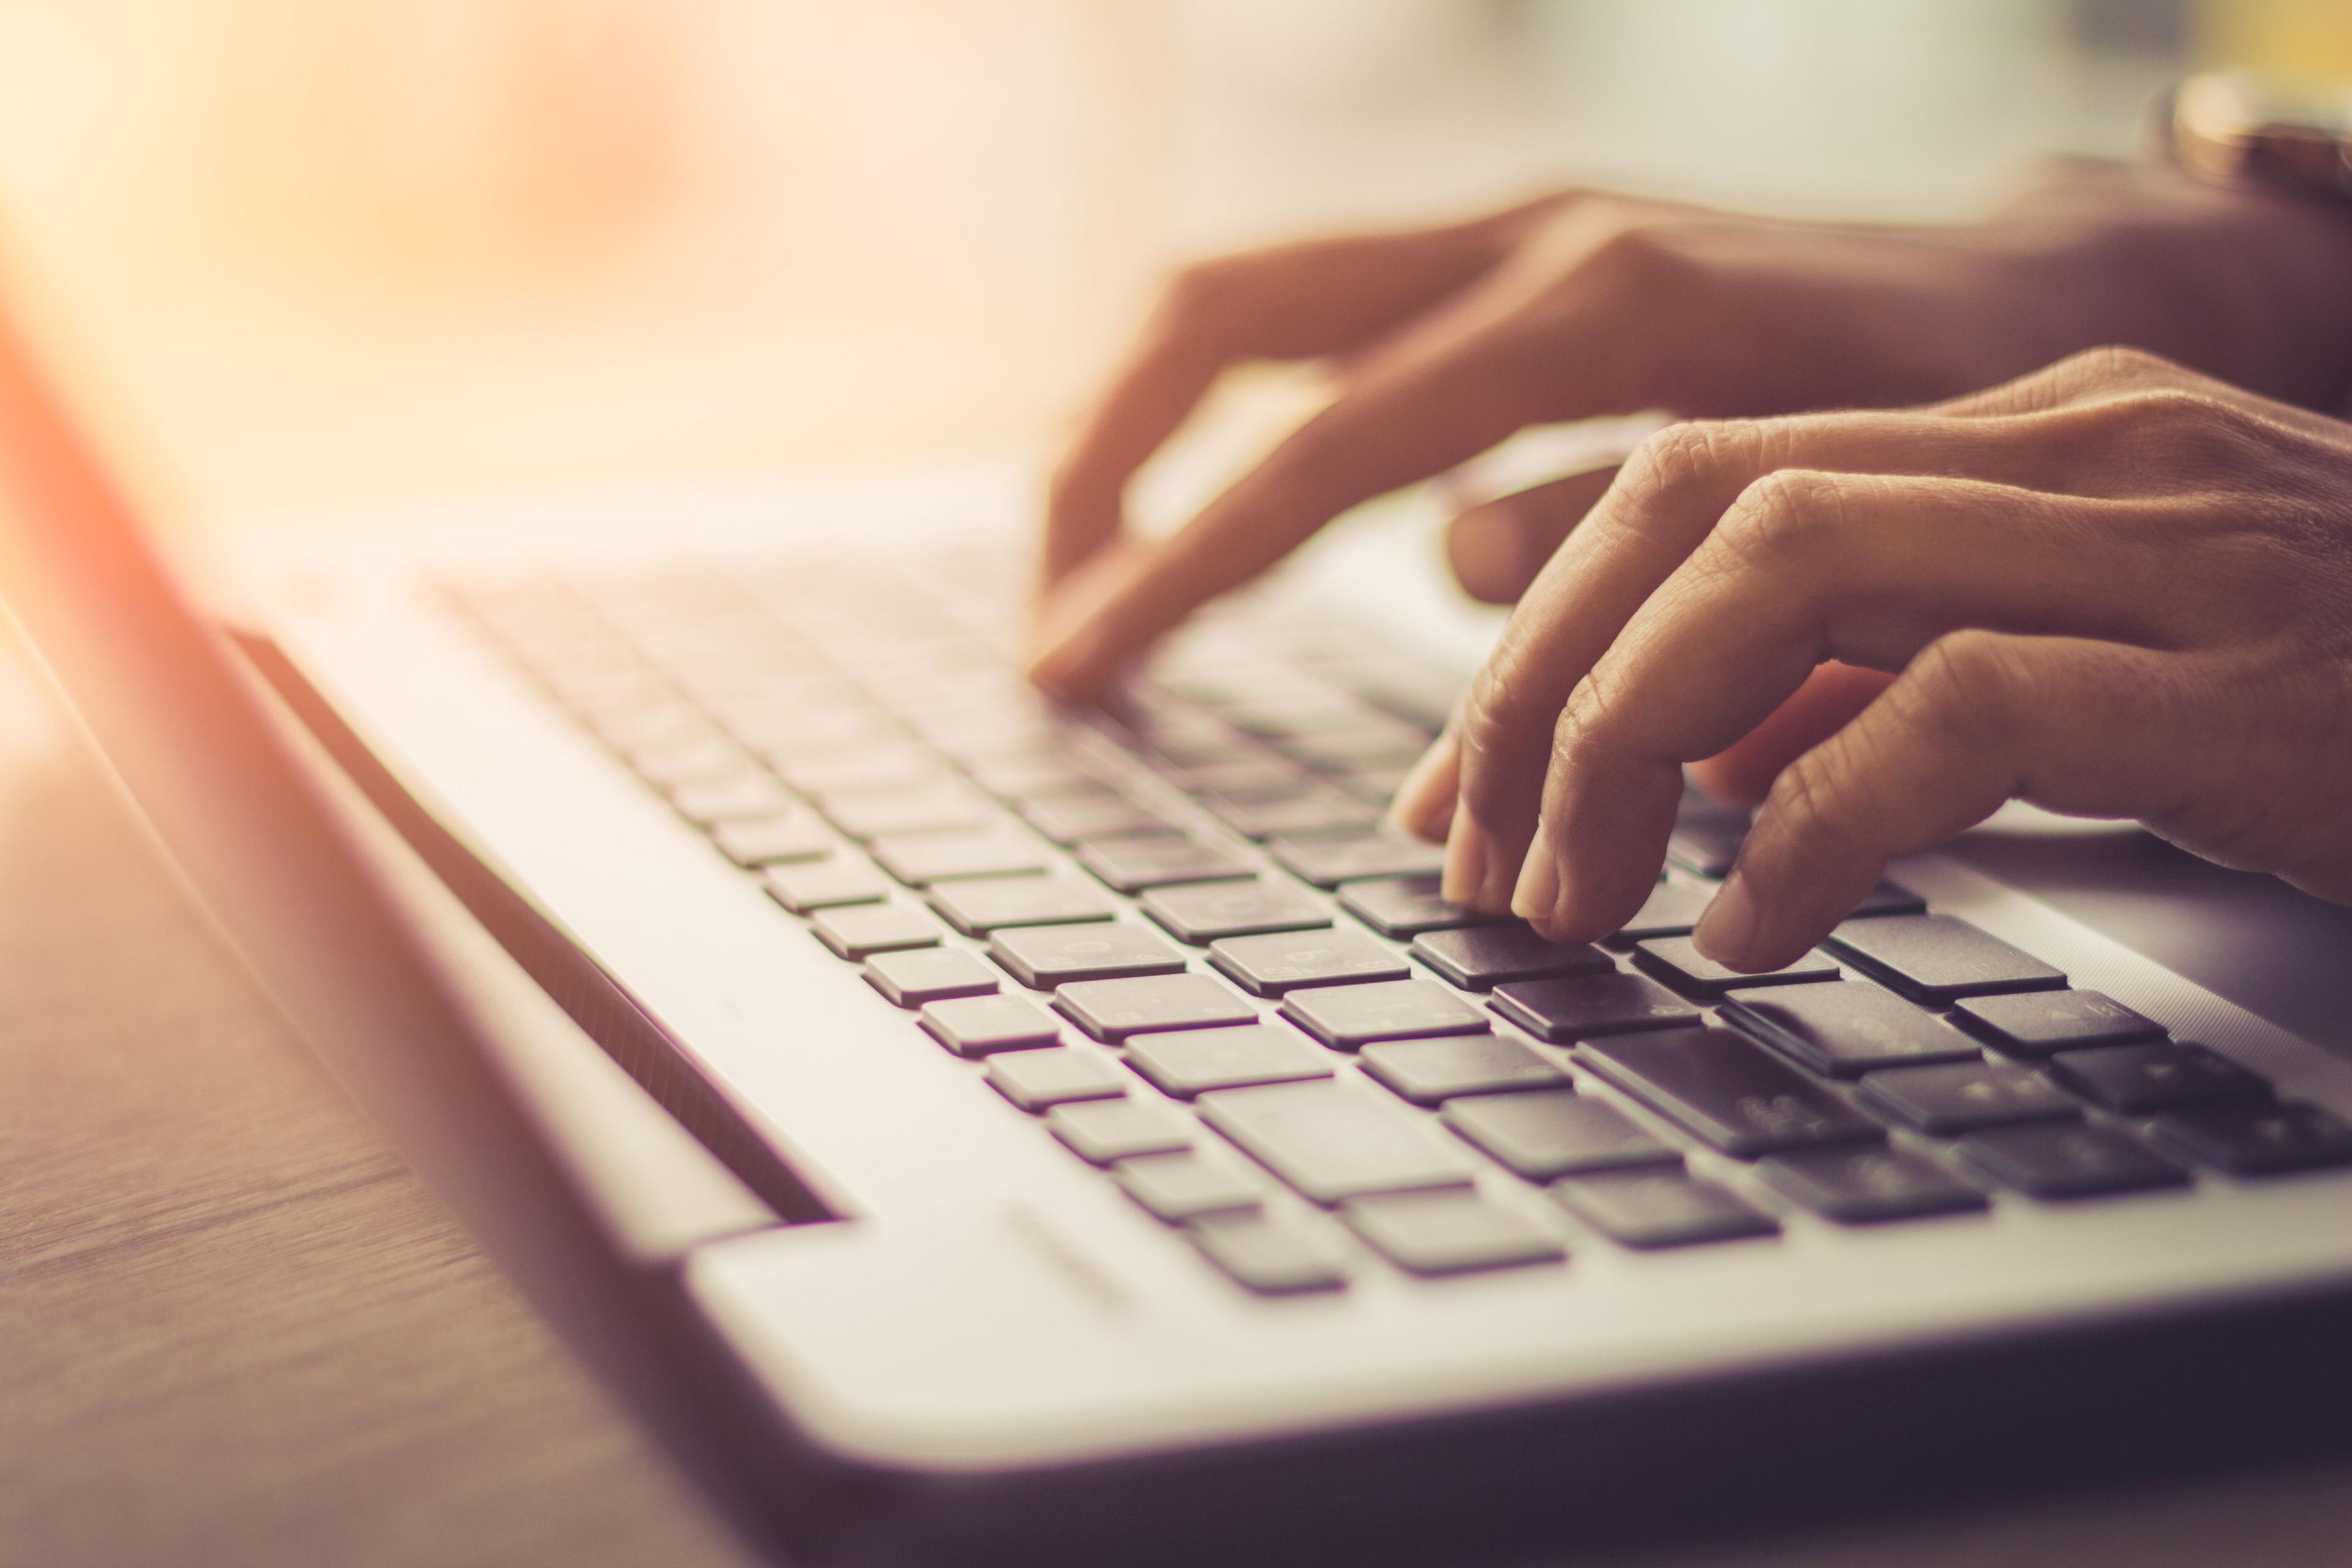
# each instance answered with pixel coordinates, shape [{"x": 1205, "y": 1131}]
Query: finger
[
  {"x": 1423, "y": 806},
  {"x": 1861, "y": 568},
  {"x": 2082, "y": 727},
  {"x": 1497, "y": 547},
  {"x": 1405, "y": 423},
  {"x": 1443, "y": 388},
  {"x": 1742, "y": 773},
  {"x": 1293, "y": 301},
  {"x": 1666, "y": 499}
]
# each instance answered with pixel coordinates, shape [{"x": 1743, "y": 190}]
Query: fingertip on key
[
  {"x": 1536, "y": 897},
  {"x": 1467, "y": 853},
  {"x": 1424, "y": 803},
  {"x": 1727, "y": 931}
]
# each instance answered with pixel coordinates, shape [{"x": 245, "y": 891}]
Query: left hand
[{"x": 2115, "y": 588}]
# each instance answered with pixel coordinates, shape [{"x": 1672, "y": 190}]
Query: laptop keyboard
[{"x": 1164, "y": 930}]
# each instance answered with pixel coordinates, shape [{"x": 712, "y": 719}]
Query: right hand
[{"x": 1448, "y": 340}]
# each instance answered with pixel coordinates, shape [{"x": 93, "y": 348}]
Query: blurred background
[{"x": 332, "y": 251}]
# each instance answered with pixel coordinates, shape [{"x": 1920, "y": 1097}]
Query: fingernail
[
  {"x": 1426, "y": 797},
  {"x": 1537, "y": 893},
  {"x": 1726, "y": 932},
  {"x": 1467, "y": 851}
]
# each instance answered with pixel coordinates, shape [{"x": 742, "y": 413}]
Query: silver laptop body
[{"x": 892, "y": 1309}]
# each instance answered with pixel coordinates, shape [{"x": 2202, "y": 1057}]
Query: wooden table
[{"x": 234, "y": 1330}]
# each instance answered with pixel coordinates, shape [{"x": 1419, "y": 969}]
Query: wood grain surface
[{"x": 235, "y": 1331}]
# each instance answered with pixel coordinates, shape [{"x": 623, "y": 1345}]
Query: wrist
[{"x": 2247, "y": 284}]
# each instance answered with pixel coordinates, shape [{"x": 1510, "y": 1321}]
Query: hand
[
  {"x": 2114, "y": 588},
  {"x": 1445, "y": 341}
]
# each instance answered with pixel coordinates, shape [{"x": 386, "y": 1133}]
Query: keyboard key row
[
  {"x": 1046, "y": 957},
  {"x": 1187, "y": 1036},
  {"x": 1203, "y": 912}
]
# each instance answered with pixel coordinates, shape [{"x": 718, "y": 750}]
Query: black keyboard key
[
  {"x": 1707, "y": 845},
  {"x": 2153, "y": 1076},
  {"x": 1333, "y": 1141},
  {"x": 1428, "y": 1072},
  {"x": 1284, "y": 961},
  {"x": 1671, "y": 909},
  {"x": 1482, "y": 957},
  {"x": 919, "y": 859},
  {"x": 858, "y": 932},
  {"x": 1240, "y": 775},
  {"x": 901, "y": 767},
  {"x": 1100, "y": 1131},
  {"x": 1282, "y": 718},
  {"x": 1030, "y": 781},
  {"x": 695, "y": 762},
  {"x": 1555, "y": 1132},
  {"x": 1453, "y": 1232},
  {"x": 986, "y": 905},
  {"x": 1347, "y": 1016},
  {"x": 1393, "y": 746},
  {"x": 912, "y": 976},
  {"x": 740, "y": 797},
  {"x": 2258, "y": 1140},
  {"x": 2060, "y": 1159},
  {"x": 1180, "y": 1188},
  {"x": 1677, "y": 961},
  {"x": 977, "y": 1026},
  {"x": 2036, "y": 1023},
  {"x": 1115, "y": 1009},
  {"x": 1940, "y": 959},
  {"x": 1377, "y": 784},
  {"x": 1848, "y": 1028},
  {"x": 1660, "y": 1208},
  {"x": 1869, "y": 1187},
  {"x": 1043, "y": 957},
  {"x": 1564, "y": 1011},
  {"x": 643, "y": 729},
  {"x": 782, "y": 840},
  {"x": 1202, "y": 912},
  {"x": 1889, "y": 899},
  {"x": 1405, "y": 907},
  {"x": 1271, "y": 1257},
  {"x": 870, "y": 814},
  {"x": 1056, "y": 1075},
  {"x": 1302, "y": 813},
  {"x": 1133, "y": 865},
  {"x": 1961, "y": 1097},
  {"x": 1078, "y": 818},
  {"x": 825, "y": 885},
  {"x": 1329, "y": 862},
  {"x": 1194, "y": 1062},
  {"x": 1729, "y": 1090}
]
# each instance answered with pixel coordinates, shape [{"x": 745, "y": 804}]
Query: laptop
[{"x": 967, "y": 1129}]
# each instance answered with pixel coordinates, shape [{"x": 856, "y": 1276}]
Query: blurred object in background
[{"x": 340, "y": 249}]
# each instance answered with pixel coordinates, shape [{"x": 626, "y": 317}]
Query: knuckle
[
  {"x": 2181, "y": 427},
  {"x": 1787, "y": 517},
  {"x": 2118, "y": 365},
  {"x": 1806, "y": 799},
  {"x": 1585, "y": 719},
  {"x": 1197, "y": 289},
  {"x": 1204, "y": 304},
  {"x": 1633, "y": 249},
  {"x": 1490, "y": 710},
  {"x": 1693, "y": 455},
  {"x": 1970, "y": 683}
]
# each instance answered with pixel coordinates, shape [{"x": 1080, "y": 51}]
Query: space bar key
[{"x": 1334, "y": 1141}]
